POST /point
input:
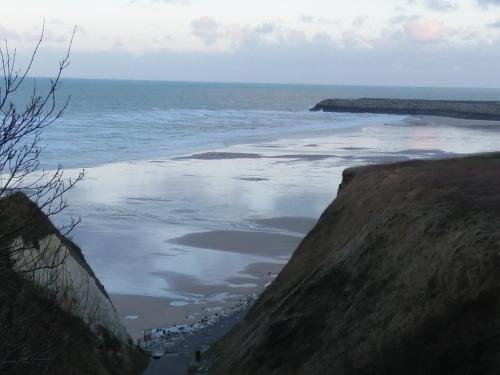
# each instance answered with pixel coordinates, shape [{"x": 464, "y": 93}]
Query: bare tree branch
[{"x": 21, "y": 177}]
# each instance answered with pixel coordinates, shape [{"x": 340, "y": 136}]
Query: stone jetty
[{"x": 474, "y": 110}]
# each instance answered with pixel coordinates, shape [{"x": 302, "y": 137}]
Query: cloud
[
  {"x": 424, "y": 30},
  {"x": 269, "y": 33},
  {"x": 207, "y": 29},
  {"x": 495, "y": 25},
  {"x": 173, "y": 1},
  {"x": 266, "y": 28},
  {"x": 81, "y": 30},
  {"x": 211, "y": 31},
  {"x": 285, "y": 56},
  {"x": 49, "y": 35},
  {"x": 486, "y": 3},
  {"x": 7, "y": 34},
  {"x": 306, "y": 18},
  {"x": 401, "y": 19},
  {"x": 352, "y": 39},
  {"x": 316, "y": 60},
  {"x": 161, "y": 1},
  {"x": 437, "y": 5},
  {"x": 441, "y": 5},
  {"x": 359, "y": 21}
]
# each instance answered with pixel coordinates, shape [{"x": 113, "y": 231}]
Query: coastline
[{"x": 155, "y": 231}]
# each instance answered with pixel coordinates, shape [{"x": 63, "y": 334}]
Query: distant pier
[{"x": 473, "y": 110}]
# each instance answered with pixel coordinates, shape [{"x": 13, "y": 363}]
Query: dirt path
[{"x": 177, "y": 362}]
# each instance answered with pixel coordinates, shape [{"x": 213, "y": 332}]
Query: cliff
[
  {"x": 476, "y": 110},
  {"x": 55, "y": 315},
  {"x": 399, "y": 276}
]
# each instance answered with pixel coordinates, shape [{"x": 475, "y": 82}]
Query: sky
[{"x": 358, "y": 42}]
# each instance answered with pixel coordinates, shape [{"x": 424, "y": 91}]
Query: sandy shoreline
[
  {"x": 145, "y": 312},
  {"x": 155, "y": 312},
  {"x": 260, "y": 243}
]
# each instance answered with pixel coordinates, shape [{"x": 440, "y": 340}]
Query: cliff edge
[
  {"x": 55, "y": 315},
  {"x": 399, "y": 276},
  {"x": 473, "y": 110}
]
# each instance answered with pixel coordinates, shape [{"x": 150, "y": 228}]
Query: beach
[
  {"x": 179, "y": 239},
  {"x": 193, "y": 187}
]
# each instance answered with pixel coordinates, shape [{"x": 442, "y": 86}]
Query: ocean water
[{"x": 117, "y": 120}]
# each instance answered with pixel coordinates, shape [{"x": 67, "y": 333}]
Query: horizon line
[{"x": 265, "y": 83}]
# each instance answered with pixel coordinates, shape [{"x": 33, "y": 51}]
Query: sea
[
  {"x": 173, "y": 235},
  {"x": 121, "y": 120}
]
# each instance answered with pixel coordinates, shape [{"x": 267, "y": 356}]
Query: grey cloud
[
  {"x": 210, "y": 31},
  {"x": 266, "y": 28},
  {"x": 33, "y": 35},
  {"x": 48, "y": 36},
  {"x": 306, "y": 18},
  {"x": 118, "y": 43},
  {"x": 495, "y": 25},
  {"x": 293, "y": 37},
  {"x": 161, "y": 1},
  {"x": 7, "y": 34},
  {"x": 351, "y": 39},
  {"x": 249, "y": 37},
  {"x": 81, "y": 30},
  {"x": 467, "y": 35},
  {"x": 359, "y": 21},
  {"x": 56, "y": 21},
  {"x": 207, "y": 29},
  {"x": 436, "y": 5},
  {"x": 401, "y": 19},
  {"x": 441, "y": 5},
  {"x": 322, "y": 38},
  {"x": 173, "y": 1},
  {"x": 486, "y": 3}
]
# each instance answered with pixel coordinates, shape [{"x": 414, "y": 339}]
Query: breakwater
[{"x": 474, "y": 110}]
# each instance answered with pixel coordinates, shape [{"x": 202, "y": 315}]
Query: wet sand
[
  {"x": 259, "y": 243},
  {"x": 145, "y": 312},
  {"x": 219, "y": 156},
  {"x": 172, "y": 238},
  {"x": 446, "y": 121},
  {"x": 293, "y": 224}
]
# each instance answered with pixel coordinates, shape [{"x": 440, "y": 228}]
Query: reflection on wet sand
[
  {"x": 171, "y": 236},
  {"x": 246, "y": 242}
]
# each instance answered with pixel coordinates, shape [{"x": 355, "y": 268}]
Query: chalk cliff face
[
  {"x": 401, "y": 275},
  {"x": 55, "y": 316},
  {"x": 59, "y": 265}
]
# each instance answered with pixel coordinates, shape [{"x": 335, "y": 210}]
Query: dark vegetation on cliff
[
  {"x": 37, "y": 336},
  {"x": 399, "y": 276},
  {"x": 476, "y": 110}
]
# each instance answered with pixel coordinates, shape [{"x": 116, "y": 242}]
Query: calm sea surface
[{"x": 114, "y": 120}]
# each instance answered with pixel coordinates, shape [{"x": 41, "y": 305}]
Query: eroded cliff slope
[{"x": 401, "y": 275}]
